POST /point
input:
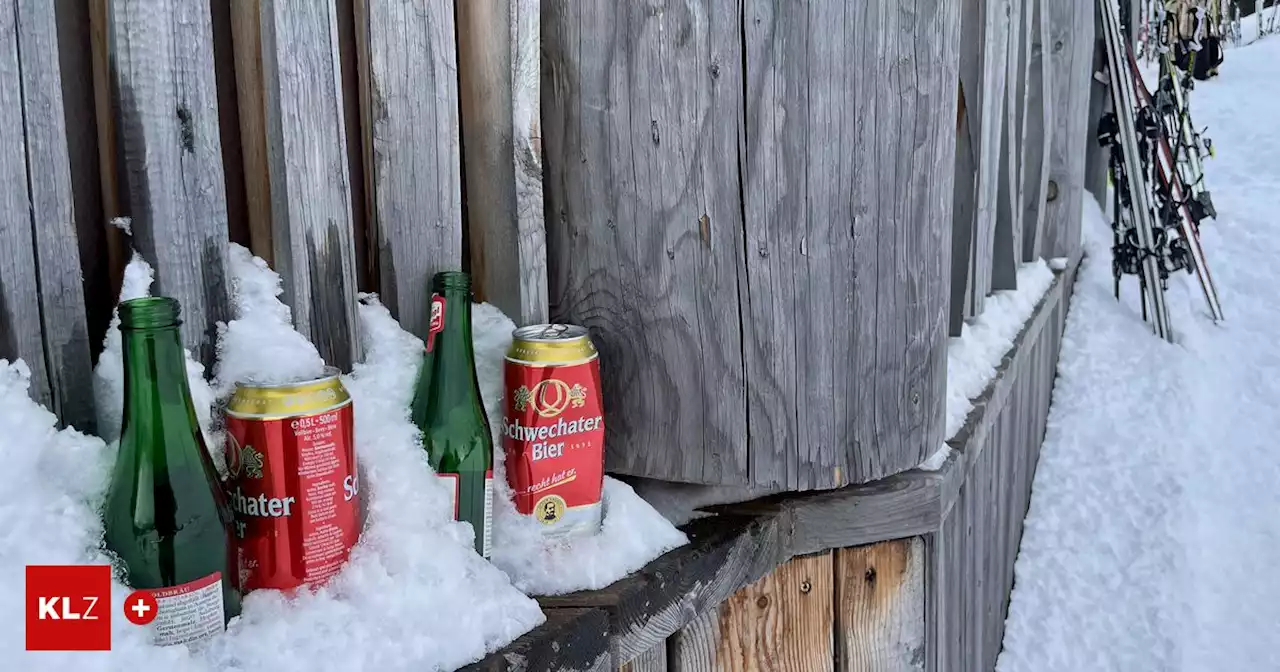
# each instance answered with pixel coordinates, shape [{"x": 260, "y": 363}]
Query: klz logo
[{"x": 68, "y": 607}]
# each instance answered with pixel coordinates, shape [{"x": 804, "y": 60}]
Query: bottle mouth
[
  {"x": 446, "y": 280},
  {"x": 150, "y": 312}
]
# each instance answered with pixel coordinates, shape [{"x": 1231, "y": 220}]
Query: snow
[
  {"x": 972, "y": 359},
  {"x": 413, "y": 595},
  {"x": 1151, "y": 539}
]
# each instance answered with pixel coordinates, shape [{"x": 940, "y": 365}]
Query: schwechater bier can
[
  {"x": 293, "y": 481},
  {"x": 553, "y": 428}
]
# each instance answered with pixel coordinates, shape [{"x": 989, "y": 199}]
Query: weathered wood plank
[
  {"x": 1039, "y": 121},
  {"x": 879, "y": 624},
  {"x": 166, "y": 126},
  {"x": 653, "y": 660},
  {"x": 969, "y": 561},
  {"x": 642, "y": 110},
  {"x": 1071, "y": 52},
  {"x": 75, "y": 65},
  {"x": 410, "y": 81},
  {"x": 828, "y": 183},
  {"x": 572, "y": 640},
  {"x": 306, "y": 152},
  {"x": 20, "y": 328},
  {"x": 1007, "y": 240},
  {"x": 782, "y": 622},
  {"x": 695, "y": 647},
  {"x": 246, "y": 32},
  {"x": 52, "y": 217},
  {"x": 506, "y": 237},
  {"x": 1095, "y": 173},
  {"x": 724, "y": 554},
  {"x": 111, "y": 161}
]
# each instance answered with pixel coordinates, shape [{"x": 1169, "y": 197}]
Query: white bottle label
[
  {"x": 453, "y": 483},
  {"x": 188, "y": 612}
]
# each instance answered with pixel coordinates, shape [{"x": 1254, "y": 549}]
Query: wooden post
[
  {"x": 166, "y": 124},
  {"x": 409, "y": 81},
  {"x": 1040, "y": 115},
  {"x": 1097, "y": 158},
  {"x": 50, "y": 218},
  {"x": 1007, "y": 243},
  {"x": 498, "y": 90},
  {"x": 301, "y": 128},
  {"x": 1071, "y": 44}
]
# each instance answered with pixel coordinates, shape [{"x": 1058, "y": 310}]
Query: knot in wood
[{"x": 763, "y": 602}]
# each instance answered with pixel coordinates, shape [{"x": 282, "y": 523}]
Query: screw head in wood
[{"x": 805, "y": 586}]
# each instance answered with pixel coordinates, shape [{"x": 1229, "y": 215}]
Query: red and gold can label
[
  {"x": 553, "y": 440},
  {"x": 296, "y": 495}
]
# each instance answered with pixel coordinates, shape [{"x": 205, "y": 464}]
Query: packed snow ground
[
  {"x": 413, "y": 596},
  {"x": 1154, "y": 524}
]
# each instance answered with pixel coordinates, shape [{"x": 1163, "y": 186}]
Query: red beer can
[
  {"x": 553, "y": 428},
  {"x": 293, "y": 482}
]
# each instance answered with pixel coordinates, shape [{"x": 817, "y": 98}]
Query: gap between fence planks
[
  {"x": 165, "y": 128},
  {"x": 1007, "y": 238},
  {"x": 1039, "y": 129}
]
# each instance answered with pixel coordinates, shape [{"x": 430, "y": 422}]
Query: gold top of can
[
  {"x": 306, "y": 397},
  {"x": 551, "y": 344}
]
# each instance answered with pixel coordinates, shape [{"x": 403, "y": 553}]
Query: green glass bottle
[
  {"x": 448, "y": 410},
  {"x": 166, "y": 517}
]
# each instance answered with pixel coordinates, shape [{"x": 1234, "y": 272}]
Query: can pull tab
[{"x": 437, "y": 320}]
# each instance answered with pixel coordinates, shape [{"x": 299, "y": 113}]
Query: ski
[
  {"x": 1136, "y": 245},
  {"x": 1171, "y": 180}
]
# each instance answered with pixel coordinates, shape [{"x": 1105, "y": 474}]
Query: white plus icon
[{"x": 141, "y": 608}]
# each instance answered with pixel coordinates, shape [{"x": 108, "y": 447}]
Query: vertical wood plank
[
  {"x": 827, "y": 182},
  {"x": 20, "y": 328},
  {"x": 653, "y": 660},
  {"x": 1095, "y": 173},
  {"x": 75, "y": 64},
  {"x": 1007, "y": 243},
  {"x": 250, "y": 91},
  {"x": 1071, "y": 43},
  {"x": 642, "y": 110},
  {"x": 487, "y": 69},
  {"x": 166, "y": 119},
  {"x": 880, "y": 607},
  {"x": 526, "y": 119},
  {"x": 409, "y": 80},
  {"x": 1040, "y": 128},
  {"x": 964, "y": 198},
  {"x": 304, "y": 134},
  {"x": 782, "y": 622},
  {"x": 110, "y": 159},
  {"x": 52, "y": 217},
  {"x": 695, "y": 647}
]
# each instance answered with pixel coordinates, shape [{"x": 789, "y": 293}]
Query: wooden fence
[{"x": 753, "y": 204}]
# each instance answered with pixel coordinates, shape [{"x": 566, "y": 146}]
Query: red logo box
[{"x": 68, "y": 607}]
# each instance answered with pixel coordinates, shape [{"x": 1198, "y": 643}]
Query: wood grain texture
[
  {"x": 695, "y": 647},
  {"x": 879, "y": 607},
  {"x": 653, "y": 660},
  {"x": 166, "y": 126},
  {"x": 507, "y": 253},
  {"x": 847, "y": 182},
  {"x": 780, "y": 623},
  {"x": 75, "y": 65},
  {"x": 246, "y": 32},
  {"x": 305, "y": 139},
  {"x": 21, "y": 335},
  {"x": 1039, "y": 133},
  {"x": 1071, "y": 52},
  {"x": 1095, "y": 172},
  {"x": 642, "y": 110},
  {"x": 969, "y": 562},
  {"x": 570, "y": 640},
  {"x": 52, "y": 217},
  {"x": 111, "y": 161},
  {"x": 1007, "y": 238},
  {"x": 410, "y": 79},
  {"x": 723, "y": 555}
]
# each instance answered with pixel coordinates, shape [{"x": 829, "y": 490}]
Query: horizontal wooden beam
[{"x": 570, "y": 639}]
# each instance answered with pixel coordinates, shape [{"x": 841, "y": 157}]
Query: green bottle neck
[
  {"x": 155, "y": 378},
  {"x": 453, "y": 378}
]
